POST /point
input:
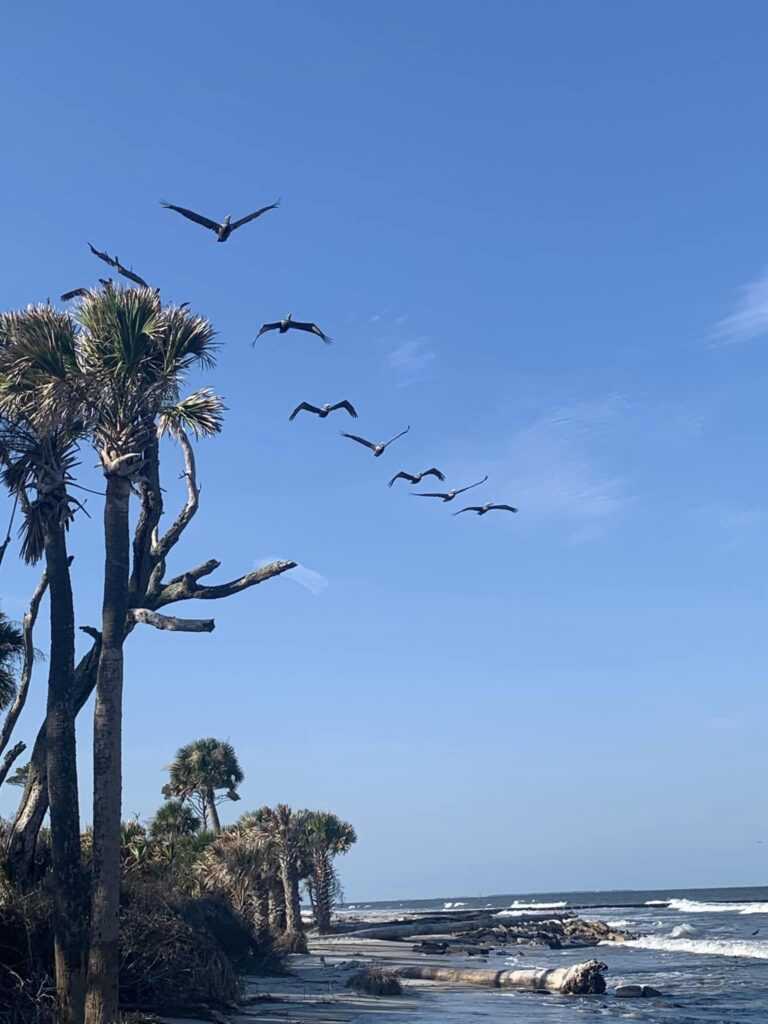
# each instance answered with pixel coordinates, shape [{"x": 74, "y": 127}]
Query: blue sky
[{"x": 537, "y": 235}]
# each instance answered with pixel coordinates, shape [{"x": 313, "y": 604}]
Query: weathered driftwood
[
  {"x": 579, "y": 979},
  {"x": 446, "y": 926}
]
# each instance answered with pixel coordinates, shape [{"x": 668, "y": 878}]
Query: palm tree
[
  {"x": 284, "y": 829},
  {"x": 201, "y": 769},
  {"x": 11, "y": 652},
  {"x": 326, "y": 837},
  {"x": 133, "y": 355},
  {"x": 173, "y": 821},
  {"x": 39, "y": 426},
  {"x": 238, "y": 863}
]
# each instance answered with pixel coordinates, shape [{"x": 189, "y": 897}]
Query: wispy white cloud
[
  {"x": 308, "y": 578},
  {"x": 551, "y": 470},
  {"x": 750, "y": 317},
  {"x": 411, "y": 360}
]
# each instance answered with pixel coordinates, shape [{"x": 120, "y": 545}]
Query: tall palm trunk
[
  {"x": 103, "y": 964},
  {"x": 324, "y": 884},
  {"x": 276, "y": 897},
  {"x": 260, "y": 904},
  {"x": 210, "y": 803},
  {"x": 70, "y": 906},
  {"x": 289, "y": 876}
]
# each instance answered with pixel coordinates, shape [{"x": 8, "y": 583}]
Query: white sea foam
[
  {"x": 453, "y": 906},
  {"x": 534, "y": 905},
  {"x": 697, "y": 907},
  {"x": 704, "y": 947},
  {"x": 657, "y": 903},
  {"x": 683, "y": 931},
  {"x": 621, "y": 924}
]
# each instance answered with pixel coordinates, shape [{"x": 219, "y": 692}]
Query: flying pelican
[
  {"x": 449, "y": 495},
  {"x": 482, "y": 509},
  {"x": 377, "y": 449},
  {"x": 323, "y": 410},
  {"x": 402, "y": 475},
  {"x": 76, "y": 293},
  {"x": 287, "y": 323},
  {"x": 115, "y": 262},
  {"x": 227, "y": 226}
]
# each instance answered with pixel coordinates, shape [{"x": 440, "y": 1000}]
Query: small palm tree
[
  {"x": 284, "y": 830},
  {"x": 173, "y": 821},
  {"x": 237, "y": 863},
  {"x": 11, "y": 653},
  {"x": 326, "y": 836},
  {"x": 200, "y": 770}
]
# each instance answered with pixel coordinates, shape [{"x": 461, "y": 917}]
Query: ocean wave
[
  {"x": 704, "y": 947},
  {"x": 453, "y": 906},
  {"x": 621, "y": 925},
  {"x": 533, "y": 905},
  {"x": 657, "y": 903},
  {"x": 697, "y": 907}
]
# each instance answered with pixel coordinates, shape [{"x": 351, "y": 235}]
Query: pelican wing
[
  {"x": 191, "y": 215},
  {"x": 360, "y": 440},
  {"x": 506, "y": 508},
  {"x": 429, "y": 494},
  {"x": 76, "y": 293},
  {"x": 312, "y": 328},
  {"x": 433, "y": 472},
  {"x": 389, "y": 442},
  {"x": 470, "y": 486},
  {"x": 469, "y": 508},
  {"x": 304, "y": 406},
  {"x": 345, "y": 405},
  {"x": 252, "y": 216},
  {"x": 402, "y": 475},
  {"x": 264, "y": 328}
]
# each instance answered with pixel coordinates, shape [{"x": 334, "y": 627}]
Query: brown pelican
[
  {"x": 76, "y": 293},
  {"x": 115, "y": 262},
  {"x": 449, "y": 495},
  {"x": 482, "y": 509},
  {"x": 402, "y": 475},
  {"x": 323, "y": 410},
  {"x": 377, "y": 449},
  {"x": 287, "y": 323},
  {"x": 227, "y": 226}
]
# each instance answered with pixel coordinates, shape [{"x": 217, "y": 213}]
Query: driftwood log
[{"x": 579, "y": 979}]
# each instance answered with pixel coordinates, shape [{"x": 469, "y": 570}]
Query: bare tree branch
[
  {"x": 185, "y": 588},
  {"x": 197, "y": 573},
  {"x": 9, "y": 758},
  {"x": 150, "y": 513},
  {"x": 27, "y": 625},
  {"x": 7, "y": 541},
  {"x": 175, "y": 530},
  {"x": 170, "y": 622}
]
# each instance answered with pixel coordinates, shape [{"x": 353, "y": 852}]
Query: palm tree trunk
[
  {"x": 70, "y": 906},
  {"x": 210, "y": 803},
  {"x": 103, "y": 964},
  {"x": 260, "y": 905},
  {"x": 290, "y": 879},
  {"x": 276, "y": 905},
  {"x": 323, "y": 882}
]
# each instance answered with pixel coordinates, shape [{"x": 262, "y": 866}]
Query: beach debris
[
  {"x": 416, "y": 478},
  {"x": 377, "y": 447},
  {"x": 376, "y": 981},
  {"x": 449, "y": 495},
  {"x": 227, "y": 226},
  {"x": 323, "y": 410},
  {"x": 435, "y": 948},
  {"x": 579, "y": 979},
  {"x": 288, "y": 323}
]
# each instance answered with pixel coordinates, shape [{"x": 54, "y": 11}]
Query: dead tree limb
[
  {"x": 170, "y": 622},
  {"x": 9, "y": 758},
  {"x": 579, "y": 979},
  {"x": 186, "y": 588}
]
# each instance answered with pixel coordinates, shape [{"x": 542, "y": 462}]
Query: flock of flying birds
[{"x": 223, "y": 230}]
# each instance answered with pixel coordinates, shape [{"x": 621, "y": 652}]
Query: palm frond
[
  {"x": 185, "y": 339},
  {"x": 201, "y": 414},
  {"x": 119, "y": 329}
]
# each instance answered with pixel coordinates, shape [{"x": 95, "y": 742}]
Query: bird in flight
[
  {"x": 227, "y": 226},
  {"x": 115, "y": 262},
  {"x": 449, "y": 495},
  {"x": 482, "y": 509},
  {"x": 80, "y": 293},
  {"x": 323, "y": 410},
  {"x": 402, "y": 475},
  {"x": 287, "y": 323},
  {"x": 379, "y": 448}
]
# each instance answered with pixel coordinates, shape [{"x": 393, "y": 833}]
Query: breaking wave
[
  {"x": 704, "y": 947},
  {"x": 696, "y": 907}
]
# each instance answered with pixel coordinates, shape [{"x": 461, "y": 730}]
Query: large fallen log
[
  {"x": 579, "y": 979},
  {"x": 446, "y": 926}
]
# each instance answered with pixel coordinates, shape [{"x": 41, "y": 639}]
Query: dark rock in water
[{"x": 636, "y": 992}]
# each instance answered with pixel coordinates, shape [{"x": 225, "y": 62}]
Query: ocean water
[{"x": 706, "y": 950}]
